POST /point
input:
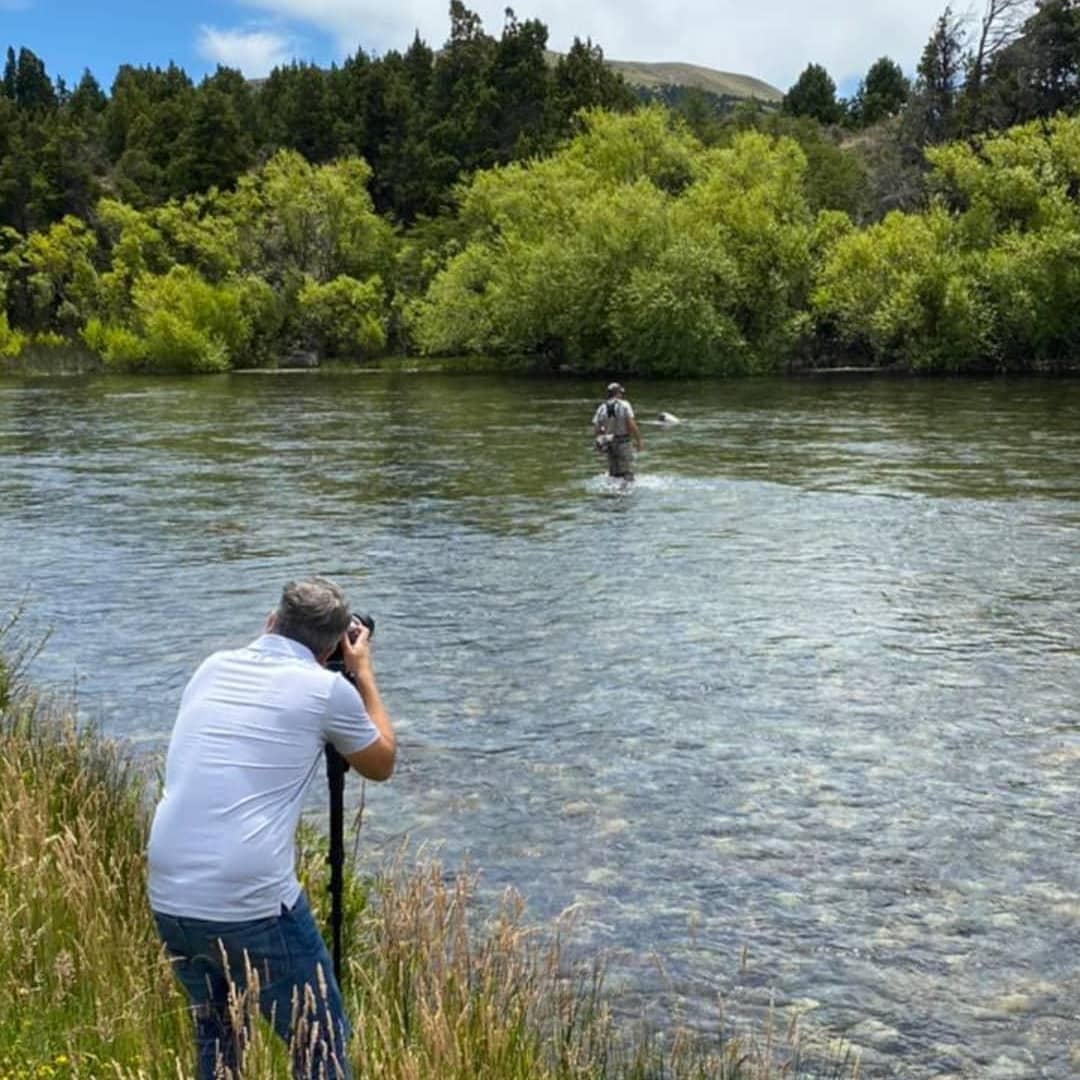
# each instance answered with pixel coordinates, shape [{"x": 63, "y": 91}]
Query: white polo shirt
[{"x": 248, "y": 739}]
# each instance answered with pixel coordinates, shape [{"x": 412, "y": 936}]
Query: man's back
[
  {"x": 247, "y": 742},
  {"x": 614, "y": 416}
]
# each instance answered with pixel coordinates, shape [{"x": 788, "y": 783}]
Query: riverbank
[
  {"x": 70, "y": 360},
  {"x": 433, "y": 994}
]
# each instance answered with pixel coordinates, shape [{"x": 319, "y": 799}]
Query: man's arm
[
  {"x": 631, "y": 425},
  {"x": 375, "y": 762}
]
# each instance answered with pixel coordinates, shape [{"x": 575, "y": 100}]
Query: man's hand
[
  {"x": 376, "y": 762},
  {"x": 356, "y": 651}
]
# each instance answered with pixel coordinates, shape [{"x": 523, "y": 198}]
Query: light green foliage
[
  {"x": 545, "y": 245},
  {"x": 189, "y": 324},
  {"x": 830, "y": 227},
  {"x": 294, "y": 220},
  {"x": 203, "y": 284},
  {"x": 61, "y": 277},
  {"x": 346, "y": 316},
  {"x": 750, "y": 201},
  {"x": 903, "y": 290},
  {"x": 119, "y": 348},
  {"x": 634, "y": 248},
  {"x": 198, "y": 234},
  {"x": 266, "y": 313},
  {"x": 1033, "y": 282},
  {"x": 136, "y": 248},
  {"x": 988, "y": 277},
  {"x": 620, "y": 149},
  {"x": 1020, "y": 218},
  {"x": 670, "y": 318},
  {"x": 1023, "y": 179},
  {"x": 11, "y": 341},
  {"x": 543, "y": 281},
  {"x": 178, "y": 322}
]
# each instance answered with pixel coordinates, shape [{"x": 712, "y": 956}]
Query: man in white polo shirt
[{"x": 249, "y": 736}]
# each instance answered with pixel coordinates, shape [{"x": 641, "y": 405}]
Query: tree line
[
  {"x": 420, "y": 118},
  {"x": 1015, "y": 61},
  {"x": 569, "y": 225}
]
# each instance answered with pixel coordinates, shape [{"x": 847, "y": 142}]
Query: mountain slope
[{"x": 661, "y": 77}]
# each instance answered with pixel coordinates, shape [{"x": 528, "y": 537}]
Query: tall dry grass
[{"x": 435, "y": 991}]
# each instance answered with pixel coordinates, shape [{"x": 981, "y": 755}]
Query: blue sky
[{"x": 771, "y": 39}]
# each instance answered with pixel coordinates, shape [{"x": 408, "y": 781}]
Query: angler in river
[
  {"x": 614, "y": 428},
  {"x": 251, "y": 730}
]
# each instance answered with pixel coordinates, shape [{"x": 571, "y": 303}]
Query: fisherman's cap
[{"x": 615, "y": 388}]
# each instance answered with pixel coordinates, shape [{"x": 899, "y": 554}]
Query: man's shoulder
[{"x": 265, "y": 653}]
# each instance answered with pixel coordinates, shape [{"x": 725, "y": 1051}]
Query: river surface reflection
[{"x": 792, "y": 720}]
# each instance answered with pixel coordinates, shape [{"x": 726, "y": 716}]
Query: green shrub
[
  {"x": 904, "y": 290},
  {"x": 11, "y": 341},
  {"x": 345, "y": 316},
  {"x": 119, "y": 348}
]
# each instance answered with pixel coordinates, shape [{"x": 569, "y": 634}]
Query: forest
[{"x": 489, "y": 199}]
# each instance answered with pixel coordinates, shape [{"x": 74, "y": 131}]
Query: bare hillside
[{"x": 691, "y": 76}]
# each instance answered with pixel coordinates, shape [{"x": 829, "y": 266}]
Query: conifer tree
[{"x": 814, "y": 94}]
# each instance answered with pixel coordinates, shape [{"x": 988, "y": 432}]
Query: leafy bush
[
  {"x": 670, "y": 319},
  {"x": 634, "y": 248},
  {"x": 188, "y": 324},
  {"x": 1033, "y": 283},
  {"x": 11, "y": 341},
  {"x": 903, "y": 290},
  {"x": 119, "y": 348},
  {"x": 345, "y": 316}
]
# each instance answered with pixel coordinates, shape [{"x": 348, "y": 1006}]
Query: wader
[{"x": 621, "y": 458}]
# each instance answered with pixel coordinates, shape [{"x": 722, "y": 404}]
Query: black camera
[{"x": 337, "y": 657}]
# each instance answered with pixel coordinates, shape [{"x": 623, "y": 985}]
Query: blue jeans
[{"x": 297, "y": 990}]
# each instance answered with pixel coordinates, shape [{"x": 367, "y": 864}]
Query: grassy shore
[{"x": 434, "y": 993}]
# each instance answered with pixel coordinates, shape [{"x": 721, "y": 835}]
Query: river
[{"x": 793, "y": 719}]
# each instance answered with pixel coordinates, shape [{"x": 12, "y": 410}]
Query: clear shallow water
[{"x": 794, "y": 719}]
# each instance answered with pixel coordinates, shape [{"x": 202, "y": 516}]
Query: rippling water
[{"x": 793, "y": 719}]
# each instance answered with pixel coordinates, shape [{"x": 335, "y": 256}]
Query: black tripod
[{"x": 336, "y": 767}]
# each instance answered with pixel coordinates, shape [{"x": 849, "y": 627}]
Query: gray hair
[{"x": 314, "y": 612}]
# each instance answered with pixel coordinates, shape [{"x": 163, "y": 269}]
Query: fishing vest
[{"x": 616, "y": 414}]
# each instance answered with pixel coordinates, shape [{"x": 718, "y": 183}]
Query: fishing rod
[{"x": 336, "y": 768}]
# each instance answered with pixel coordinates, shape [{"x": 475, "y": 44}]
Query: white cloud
[
  {"x": 771, "y": 39},
  {"x": 372, "y": 25},
  {"x": 254, "y": 52}
]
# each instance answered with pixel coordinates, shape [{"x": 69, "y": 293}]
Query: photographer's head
[{"x": 314, "y": 612}]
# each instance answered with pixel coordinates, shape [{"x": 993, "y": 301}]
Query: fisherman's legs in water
[{"x": 621, "y": 459}]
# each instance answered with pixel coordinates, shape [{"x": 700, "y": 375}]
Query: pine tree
[
  {"x": 584, "y": 81},
  {"x": 523, "y": 88},
  {"x": 883, "y": 93},
  {"x": 33, "y": 90},
  {"x": 814, "y": 94},
  {"x": 10, "y": 69},
  {"x": 940, "y": 75},
  {"x": 215, "y": 149}
]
